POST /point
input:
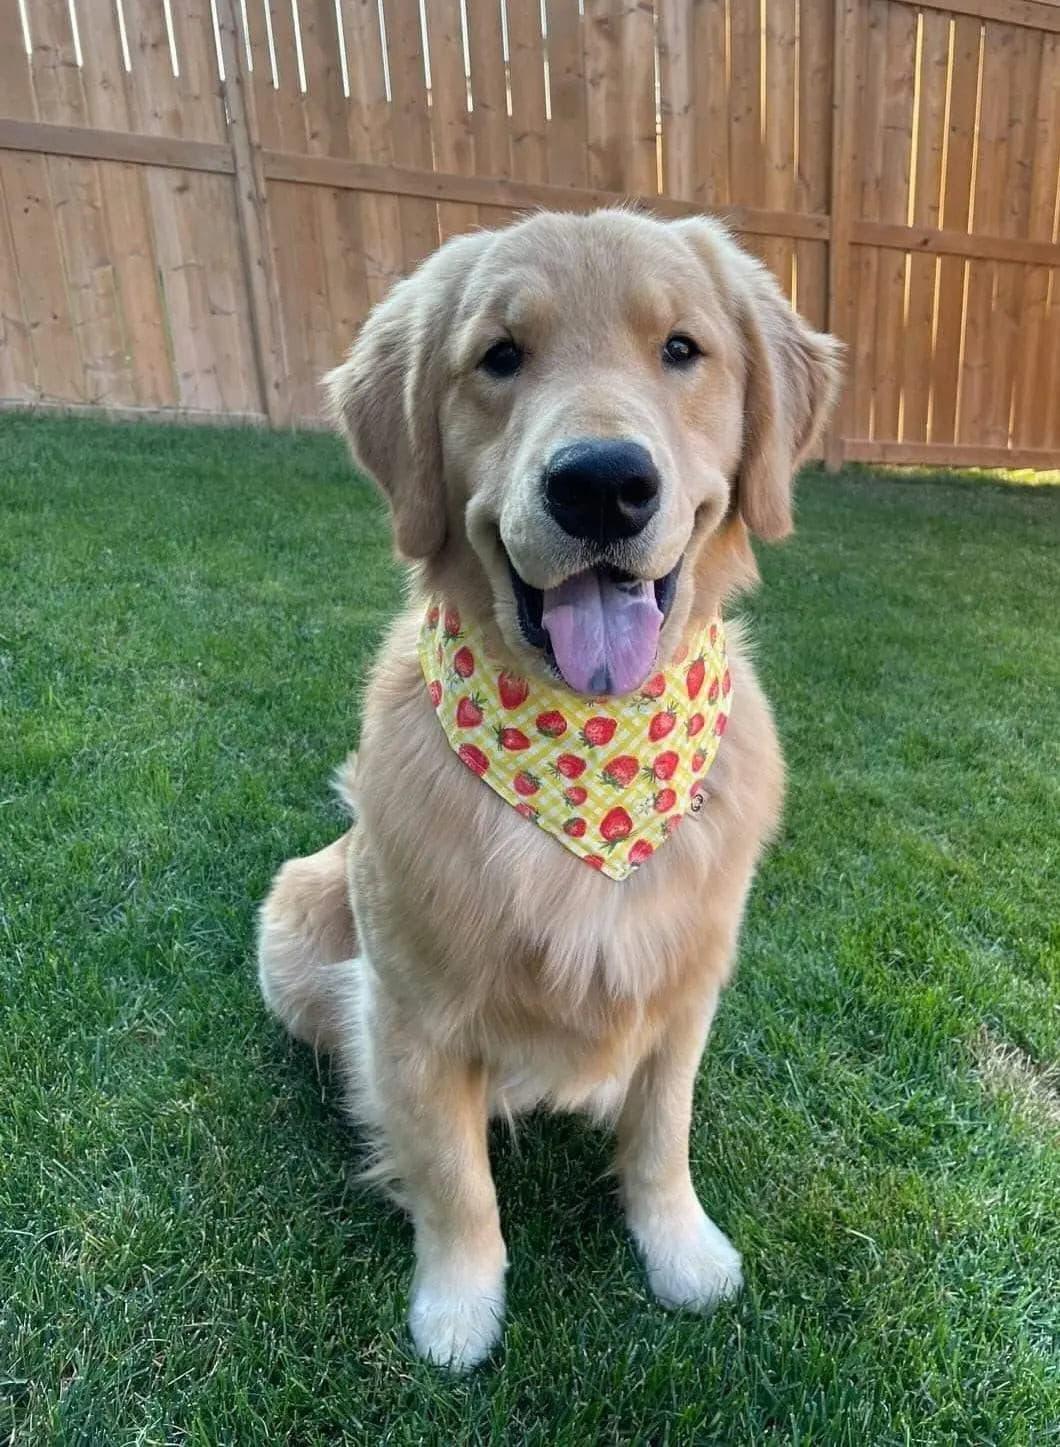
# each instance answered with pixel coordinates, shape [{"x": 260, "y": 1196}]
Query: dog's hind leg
[{"x": 307, "y": 942}]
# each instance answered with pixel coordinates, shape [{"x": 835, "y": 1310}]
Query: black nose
[{"x": 602, "y": 489}]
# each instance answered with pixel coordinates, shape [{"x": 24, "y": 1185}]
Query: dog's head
[{"x": 570, "y": 414}]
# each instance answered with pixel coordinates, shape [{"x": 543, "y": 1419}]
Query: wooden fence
[{"x": 199, "y": 199}]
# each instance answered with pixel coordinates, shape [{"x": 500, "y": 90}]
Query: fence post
[
  {"x": 252, "y": 210},
  {"x": 844, "y": 161}
]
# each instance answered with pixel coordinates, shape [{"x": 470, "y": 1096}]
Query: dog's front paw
[
  {"x": 691, "y": 1265},
  {"x": 456, "y": 1322}
]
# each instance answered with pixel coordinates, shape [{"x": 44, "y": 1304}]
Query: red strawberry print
[
  {"x": 713, "y": 634},
  {"x": 512, "y": 739},
  {"x": 615, "y": 825},
  {"x": 451, "y": 624},
  {"x": 432, "y": 616},
  {"x": 598, "y": 731},
  {"x": 527, "y": 812},
  {"x": 680, "y": 653},
  {"x": 469, "y": 712},
  {"x": 474, "y": 758},
  {"x": 726, "y": 683},
  {"x": 552, "y": 724},
  {"x": 698, "y": 789},
  {"x": 664, "y": 766},
  {"x": 655, "y": 687},
  {"x": 463, "y": 663},
  {"x": 512, "y": 689},
  {"x": 720, "y": 724},
  {"x": 570, "y": 766},
  {"x": 665, "y": 800},
  {"x": 695, "y": 676},
  {"x": 576, "y": 795},
  {"x": 699, "y": 758},
  {"x": 713, "y": 691},
  {"x": 526, "y": 783},
  {"x": 575, "y": 828},
  {"x": 621, "y": 771},
  {"x": 434, "y": 688},
  {"x": 662, "y": 724},
  {"x": 593, "y": 861},
  {"x": 641, "y": 850},
  {"x": 695, "y": 724},
  {"x": 671, "y": 825}
]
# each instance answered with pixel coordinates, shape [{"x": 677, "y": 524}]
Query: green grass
[{"x": 185, "y": 618}]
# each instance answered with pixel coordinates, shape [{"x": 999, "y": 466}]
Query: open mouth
[{"x": 599, "y": 629}]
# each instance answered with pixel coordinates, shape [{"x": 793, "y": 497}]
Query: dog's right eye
[{"x": 503, "y": 359}]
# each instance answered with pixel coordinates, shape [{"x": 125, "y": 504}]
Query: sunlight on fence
[{"x": 201, "y": 199}]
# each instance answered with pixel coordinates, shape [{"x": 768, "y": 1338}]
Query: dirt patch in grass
[{"x": 1008, "y": 1071}]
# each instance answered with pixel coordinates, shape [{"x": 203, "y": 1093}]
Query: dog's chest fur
[{"x": 557, "y": 976}]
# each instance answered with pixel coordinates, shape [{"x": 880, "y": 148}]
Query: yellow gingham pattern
[{"x": 610, "y": 778}]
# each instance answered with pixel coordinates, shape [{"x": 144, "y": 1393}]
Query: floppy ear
[
  {"x": 385, "y": 397},
  {"x": 793, "y": 376}
]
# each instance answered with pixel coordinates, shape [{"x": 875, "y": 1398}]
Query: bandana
[{"x": 609, "y": 778}]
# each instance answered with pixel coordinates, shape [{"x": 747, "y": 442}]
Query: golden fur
[{"x": 488, "y": 970}]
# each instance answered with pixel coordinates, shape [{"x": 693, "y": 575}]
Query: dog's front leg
[
  {"x": 690, "y": 1263},
  {"x": 433, "y": 1111}
]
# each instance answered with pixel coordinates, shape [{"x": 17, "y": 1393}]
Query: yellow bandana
[{"x": 610, "y": 778}]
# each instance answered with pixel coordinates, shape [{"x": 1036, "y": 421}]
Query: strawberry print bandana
[{"x": 609, "y": 778}]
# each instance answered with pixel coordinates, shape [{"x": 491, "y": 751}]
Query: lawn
[{"x": 185, "y": 1257}]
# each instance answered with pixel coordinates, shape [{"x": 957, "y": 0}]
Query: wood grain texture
[
  {"x": 410, "y": 128},
  {"x": 1038, "y": 369},
  {"x": 529, "y": 132},
  {"x": 899, "y": 93},
  {"x": 918, "y": 339},
  {"x": 956, "y": 193},
  {"x": 165, "y": 246},
  {"x": 813, "y": 178}
]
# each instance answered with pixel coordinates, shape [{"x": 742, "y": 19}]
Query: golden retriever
[{"x": 459, "y": 962}]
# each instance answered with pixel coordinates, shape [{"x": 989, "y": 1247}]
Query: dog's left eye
[
  {"x": 679, "y": 350},
  {"x": 503, "y": 359}
]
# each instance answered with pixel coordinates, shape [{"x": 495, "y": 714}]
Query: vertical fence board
[
  {"x": 814, "y": 167},
  {"x": 454, "y": 148},
  {"x": 957, "y": 184},
  {"x": 711, "y": 84},
  {"x": 193, "y": 214},
  {"x": 411, "y": 134},
  {"x": 1038, "y": 364},
  {"x": 677, "y": 98},
  {"x": 746, "y": 155},
  {"x": 869, "y": 192},
  {"x": 128, "y": 212},
  {"x": 989, "y": 203},
  {"x": 893, "y": 205},
  {"x": 18, "y": 377},
  {"x": 370, "y": 140},
  {"x": 529, "y": 125},
  {"x": 780, "y": 59},
  {"x": 918, "y": 350},
  {"x": 1006, "y": 319},
  {"x": 35, "y": 244},
  {"x": 338, "y": 212},
  {"x": 605, "y": 102},
  {"x": 77, "y": 197},
  {"x": 568, "y": 163}
]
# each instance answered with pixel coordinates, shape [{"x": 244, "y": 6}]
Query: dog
[{"x": 577, "y": 422}]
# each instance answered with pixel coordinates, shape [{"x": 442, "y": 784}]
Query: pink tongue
[{"x": 604, "y": 634}]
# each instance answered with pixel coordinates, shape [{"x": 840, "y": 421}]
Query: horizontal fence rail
[{"x": 200, "y": 201}]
